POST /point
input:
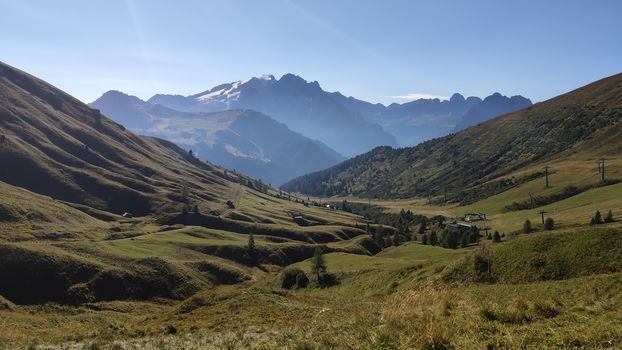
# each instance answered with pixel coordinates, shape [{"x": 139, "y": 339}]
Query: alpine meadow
[{"x": 200, "y": 175}]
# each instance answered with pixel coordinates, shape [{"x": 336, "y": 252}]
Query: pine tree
[
  {"x": 422, "y": 228},
  {"x": 318, "y": 265},
  {"x": 396, "y": 238},
  {"x": 433, "y": 238},
  {"x": 496, "y": 237},
  {"x": 252, "y": 250},
  {"x": 184, "y": 193},
  {"x": 609, "y": 217},
  {"x": 598, "y": 219},
  {"x": 527, "y": 227},
  {"x": 424, "y": 239},
  {"x": 464, "y": 240}
]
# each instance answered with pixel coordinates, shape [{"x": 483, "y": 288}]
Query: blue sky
[{"x": 373, "y": 50}]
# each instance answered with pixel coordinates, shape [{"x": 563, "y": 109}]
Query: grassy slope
[
  {"x": 54, "y": 145},
  {"x": 394, "y": 300},
  {"x": 580, "y": 170}
]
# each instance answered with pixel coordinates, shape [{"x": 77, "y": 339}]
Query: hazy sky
[{"x": 374, "y": 50}]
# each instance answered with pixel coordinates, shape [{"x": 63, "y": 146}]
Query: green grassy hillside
[
  {"x": 55, "y": 145},
  {"x": 405, "y": 297}
]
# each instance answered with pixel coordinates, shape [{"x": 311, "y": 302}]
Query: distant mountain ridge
[
  {"x": 492, "y": 106},
  {"x": 346, "y": 124},
  {"x": 472, "y": 162},
  {"x": 424, "y": 119},
  {"x": 303, "y": 106},
  {"x": 236, "y": 139}
]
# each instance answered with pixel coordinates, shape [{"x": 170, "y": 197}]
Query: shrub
[
  {"x": 294, "y": 277},
  {"x": 302, "y": 281},
  {"x": 549, "y": 224},
  {"x": 527, "y": 227},
  {"x": 545, "y": 309},
  {"x": 170, "y": 329},
  {"x": 328, "y": 280},
  {"x": 487, "y": 313}
]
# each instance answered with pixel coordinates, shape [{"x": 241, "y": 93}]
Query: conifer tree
[
  {"x": 433, "y": 238},
  {"x": 424, "y": 239},
  {"x": 396, "y": 238},
  {"x": 496, "y": 237},
  {"x": 318, "y": 265},
  {"x": 609, "y": 217},
  {"x": 252, "y": 250}
]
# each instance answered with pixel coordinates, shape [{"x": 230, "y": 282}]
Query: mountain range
[
  {"x": 348, "y": 125},
  {"x": 303, "y": 106},
  {"x": 273, "y": 130},
  {"x": 244, "y": 140},
  {"x": 477, "y": 161}
]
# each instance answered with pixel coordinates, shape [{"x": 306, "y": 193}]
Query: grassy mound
[
  {"x": 557, "y": 256},
  {"x": 543, "y": 257}
]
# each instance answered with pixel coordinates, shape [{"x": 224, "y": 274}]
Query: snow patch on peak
[{"x": 268, "y": 77}]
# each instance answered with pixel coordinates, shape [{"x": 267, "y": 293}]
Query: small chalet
[{"x": 474, "y": 217}]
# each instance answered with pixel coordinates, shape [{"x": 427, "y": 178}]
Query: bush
[
  {"x": 170, "y": 329},
  {"x": 549, "y": 224},
  {"x": 545, "y": 309},
  {"x": 302, "y": 281},
  {"x": 527, "y": 227},
  {"x": 328, "y": 280},
  {"x": 294, "y": 277}
]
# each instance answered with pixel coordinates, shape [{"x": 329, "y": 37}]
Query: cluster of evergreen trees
[
  {"x": 452, "y": 239},
  {"x": 598, "y": 219}
]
